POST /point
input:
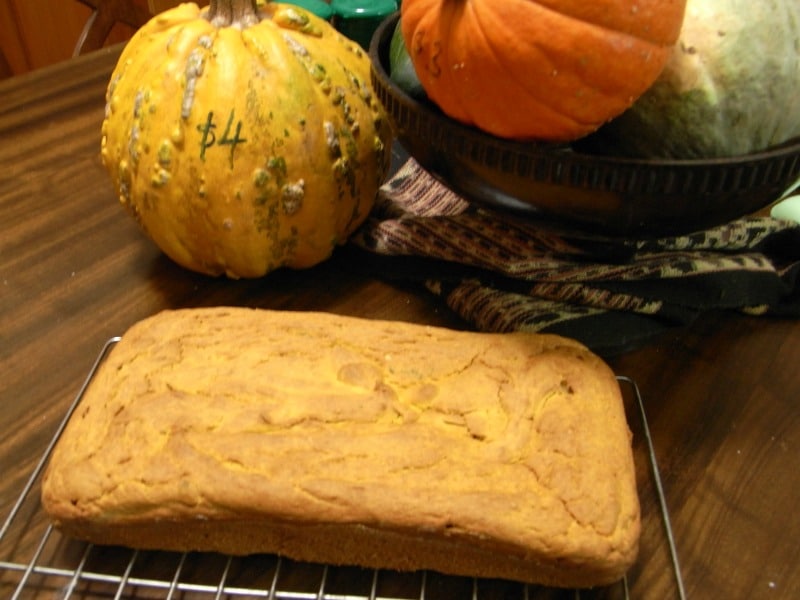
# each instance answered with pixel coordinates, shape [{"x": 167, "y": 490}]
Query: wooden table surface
[{"x": 721, "y": 395}]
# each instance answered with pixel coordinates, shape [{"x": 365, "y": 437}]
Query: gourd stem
[{"x": 233, "y": 13}]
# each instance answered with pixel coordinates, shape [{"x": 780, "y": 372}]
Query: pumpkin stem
[{"x": 233, "y": 13}]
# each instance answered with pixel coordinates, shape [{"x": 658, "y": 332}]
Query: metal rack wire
[{"x": 37, "y": 562}]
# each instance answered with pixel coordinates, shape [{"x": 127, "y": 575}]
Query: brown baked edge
[{"x": 356, "y": 545}]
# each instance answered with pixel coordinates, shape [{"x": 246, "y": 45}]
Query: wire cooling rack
[{"x": 37, "y": 562}]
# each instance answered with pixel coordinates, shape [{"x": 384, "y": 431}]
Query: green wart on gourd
[
  {"x": 292, "y": 195},
  {"x": 165, "y": 153},
  {"x": 160, "y": 178},
  {"x": 261, "y": 177},
  {"x": 291, "y": 18}
]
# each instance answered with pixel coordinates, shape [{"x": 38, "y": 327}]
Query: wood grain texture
[{"x": 721, "y": 395}]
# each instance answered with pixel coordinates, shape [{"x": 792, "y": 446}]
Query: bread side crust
[{"x": 347, "y": 441}]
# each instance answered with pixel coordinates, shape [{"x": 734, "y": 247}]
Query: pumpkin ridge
[
  {"x": 523, "y": 69},
  {"x": 440, "y": 61},
  {"x": 535, "y": 95},
  {"x": 610, "y": 14},
  {"x": 586, "y": 34},
  {"x": 450, "y": 66},
  {"x": 538, "y": 100}
]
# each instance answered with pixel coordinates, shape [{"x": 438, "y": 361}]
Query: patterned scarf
[{"x": 501, "y": 272}]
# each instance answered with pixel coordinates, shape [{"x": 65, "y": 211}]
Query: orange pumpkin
[{"x": 539, "y": 69}]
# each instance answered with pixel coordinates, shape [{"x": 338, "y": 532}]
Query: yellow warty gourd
[{"x": 244, "y": 139}]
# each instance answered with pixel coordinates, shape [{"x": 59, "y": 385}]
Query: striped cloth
[{"x": 502, "y": 272}]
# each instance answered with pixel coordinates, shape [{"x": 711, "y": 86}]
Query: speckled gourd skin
[
  {"x": 731, "y": 86},
  {"x": 242, "y": 147}
]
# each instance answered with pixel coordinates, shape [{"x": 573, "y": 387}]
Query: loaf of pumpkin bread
[{"x": 349, "y": 441}]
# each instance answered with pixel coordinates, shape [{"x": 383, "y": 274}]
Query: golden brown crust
[{"x": 385, "y": 444}]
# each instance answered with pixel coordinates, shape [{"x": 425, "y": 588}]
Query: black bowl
[{"x": 579, "y": 189}]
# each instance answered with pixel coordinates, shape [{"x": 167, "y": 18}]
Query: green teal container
[
  {"x": 358, "y": 19},
  {"x": 321, "y": 9}
]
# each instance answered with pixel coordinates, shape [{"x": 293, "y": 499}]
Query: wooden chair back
[{"x": 106, "y": 14}]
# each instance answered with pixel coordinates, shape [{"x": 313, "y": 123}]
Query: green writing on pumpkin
[{"x": 231, "y": 136}]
